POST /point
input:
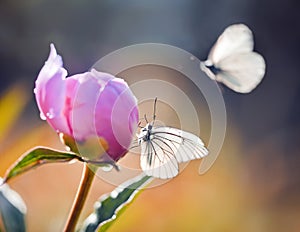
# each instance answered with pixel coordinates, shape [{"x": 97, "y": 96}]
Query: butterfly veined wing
[
  {"x": 156, "y": 161},
  {"x": 166, "y": 148},
  {"x": 235, "y": 39},
  {"x": 242, "y": 72},
  {"x": 186, "y": 146}
]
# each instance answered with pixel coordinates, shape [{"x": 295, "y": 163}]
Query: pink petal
[
  {"x": 82, "y": 111},
  {"x": 116, "y": 116},
  {"x": 50, "y": 91}
]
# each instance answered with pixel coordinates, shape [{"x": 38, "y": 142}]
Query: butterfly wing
[
  {"x": 168, "y": 147},
  {"x": 235, "y": 39},
  {"x": 156, "y": 161},
  {"x": 242, "y": 72}
]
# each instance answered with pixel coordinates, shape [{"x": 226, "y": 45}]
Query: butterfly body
[
  {"x": 211, "y": 69},
  {"x": 145, "y": 134}
]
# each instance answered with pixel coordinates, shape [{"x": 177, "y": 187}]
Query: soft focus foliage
[
  {"x": 12, "y": 209},
  {"x": 11, "y": 104}
]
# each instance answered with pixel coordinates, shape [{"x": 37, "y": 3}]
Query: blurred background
[{"x": 253, "y": 186}]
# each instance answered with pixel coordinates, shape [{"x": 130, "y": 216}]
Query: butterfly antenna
[
  {"x": 154, "y": 111},
  {"x": 145, "y": 117},
  {"x": 139, "y": 124}
]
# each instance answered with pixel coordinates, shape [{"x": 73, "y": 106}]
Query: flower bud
[{"x": 91, "y": 106}]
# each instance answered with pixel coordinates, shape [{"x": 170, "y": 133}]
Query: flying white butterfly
[
  {"x": 162, "y": 148},
  {"x": 233, "y": 62}
]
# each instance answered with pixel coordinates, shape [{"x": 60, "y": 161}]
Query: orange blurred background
[{"x": 239, "y": 193}]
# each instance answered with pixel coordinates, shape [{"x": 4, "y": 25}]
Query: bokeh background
[{"x": 253, "y": 186}]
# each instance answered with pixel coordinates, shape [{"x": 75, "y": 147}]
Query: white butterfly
[
  {"x": 162, "y": 148},
  {"x": 233, "y": 62}
]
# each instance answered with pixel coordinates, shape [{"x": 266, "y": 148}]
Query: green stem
[{"x": 81, "y": 195}]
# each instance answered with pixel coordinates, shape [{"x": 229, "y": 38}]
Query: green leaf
[
  {"x": 12, "y": 209},
  {"x": 37, "y": 157},
  {"x": 109, "y": 207}
]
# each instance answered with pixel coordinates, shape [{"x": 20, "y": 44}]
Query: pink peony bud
[{"x": 87, "y": 106}]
